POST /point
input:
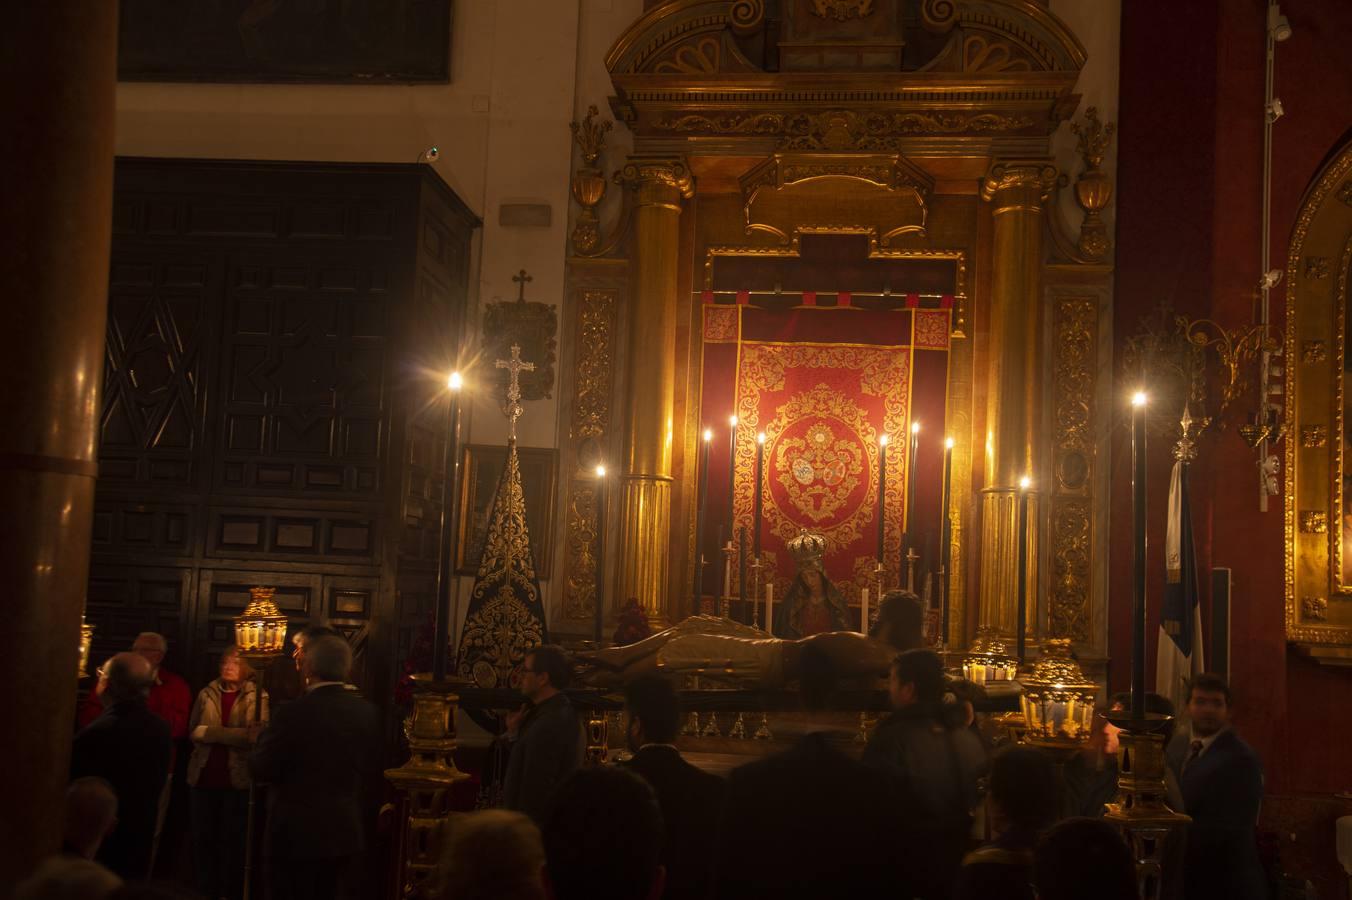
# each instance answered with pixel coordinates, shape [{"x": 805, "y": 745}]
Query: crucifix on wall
[{"x": 531, "y": 326}]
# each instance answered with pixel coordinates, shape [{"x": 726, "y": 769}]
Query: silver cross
[{"x": 514, "y": 367}]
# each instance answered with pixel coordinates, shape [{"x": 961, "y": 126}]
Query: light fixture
[
  {"x": 260, "y": 631},
  {"x": 988, "y": 660},
  {"x": 455, "y": 382},
  {"x": 1277, "y": 24},
  {"x": 1058, "y": 701}
]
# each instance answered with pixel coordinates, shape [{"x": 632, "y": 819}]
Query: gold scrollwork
[
  {"x": 841, "y": 10},
  {"x": 1314, "y": 521},
  {"x": 579, "y": 586},
  {"x": 1075, "y": 370},
  {"x": 1316, "y": 608},
  {"x": 1316, "y": 267},
  {"x": 591, "y": 406},
  {"x": 1314, "y": 435},
  {"x": 1314, "y": 352}
]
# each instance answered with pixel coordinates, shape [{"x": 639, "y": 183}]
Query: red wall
[{"x": 1189, "y": 181}]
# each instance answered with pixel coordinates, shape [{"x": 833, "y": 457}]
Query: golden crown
[{"x": 808, "y": 549}]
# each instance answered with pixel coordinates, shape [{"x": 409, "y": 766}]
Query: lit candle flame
[
  {"x": 760, "y": 438},
  {"x": 1025, "y": 483},
  {"x": 915, "y": 428},
  {"x": 882, "y": 441},
  {"x": 732, "y": 420},
  {"x": 600, "y": 471},
  {"x": 455, "y": 381},
  {"x": 948, "y": 443},
  {"x": 1138, "y": 398},
  {"x": 708, "y": 434}
]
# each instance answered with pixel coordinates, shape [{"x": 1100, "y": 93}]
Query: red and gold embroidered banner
[{"x": 823, "y": 384}]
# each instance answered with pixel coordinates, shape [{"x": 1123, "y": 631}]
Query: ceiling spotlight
[
  {"x": 429, "y": 155},
  {"x": 1274, "y": 110},
  {"x": 1270, "y": 279},
  {"x": 1278, "y": 26}
]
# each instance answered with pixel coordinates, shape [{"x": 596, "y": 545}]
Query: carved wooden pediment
[
  {"x": 882, "y": 195},
  {"x": 713, "y": 72}
]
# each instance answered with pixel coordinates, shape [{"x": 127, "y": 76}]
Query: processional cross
[{"x": 514, "y": 367}]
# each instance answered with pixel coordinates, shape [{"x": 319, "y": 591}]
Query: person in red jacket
[{"x": 170, "y": 698}]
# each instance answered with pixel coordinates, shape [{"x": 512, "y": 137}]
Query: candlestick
[
  {"x": 756, "y": 508},
  {"x": 1022, "y": 616},
  {"x": 732, "y": 478},
  {"x": 741, "y": 569},
  {"x": 727, "y": 572},
  {"x": 882, "y": 494},
  {"x": 701, "y": 500},
  {"x": 1138, "y": 457},
  {"x": 598, "y": 624},
  {"x": 441, "y": 630},
  {"x": 770, "y": 609},
  {"x": 946, "y": 541},
  {"x": 863, "y": 611}
]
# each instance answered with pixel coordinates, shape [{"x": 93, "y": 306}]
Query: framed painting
[
  {"x": 482, "y": 466},
  {"x": 266, "y": 41}
]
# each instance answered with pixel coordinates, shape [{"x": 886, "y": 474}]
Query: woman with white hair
[{"x": 222, "y": 731}]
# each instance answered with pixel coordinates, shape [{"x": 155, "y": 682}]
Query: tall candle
[
  {"x": 757, "y": 508},
  {"x": 701, "y": 499},
  {"x": 441, "y": 629},
  {"x": 732, "y": 477},
  {"x": 1138, "y": 457},
  {"x": 882, "y": 494},
  {"x": 1021, "y": 618},
  {"x": 741, "y": 567},
  {"x": 946, "y": 539},
  {"x": 911, "y": 458},
  {"x": 863, "y": 611},
  {"x": 770, "y": 609},
  {"x": 598, "y": 624}
]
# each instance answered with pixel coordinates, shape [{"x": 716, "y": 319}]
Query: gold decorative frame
[{"x": 1318, "y": 268}]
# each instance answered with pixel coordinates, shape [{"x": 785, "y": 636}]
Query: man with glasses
[{"x": 546, "y": 735}]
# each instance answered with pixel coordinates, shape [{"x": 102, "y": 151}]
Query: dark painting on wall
[{"x": 317, "y": 41}]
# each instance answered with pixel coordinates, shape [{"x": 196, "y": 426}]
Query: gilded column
[
  {"x": 659, "y": 184},
  {"x": 58, "y": 78},
  {"x": 1017, "y": 190}
]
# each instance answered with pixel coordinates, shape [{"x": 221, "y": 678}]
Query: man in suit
[
  {"x": 691, "y": 800},
  {"x": 602, "y": 834},
  {"x": 1222, "y": 783},
  {"x": 545, "y": 735},
  {"x": 128, "y": 746},
  {"x": 321, "y": 757}
]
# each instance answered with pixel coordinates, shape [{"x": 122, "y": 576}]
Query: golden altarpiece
[{"x": 921, "y": 131}]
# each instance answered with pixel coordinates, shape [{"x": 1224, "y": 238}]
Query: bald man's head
[{"x": 130, "y": 675}]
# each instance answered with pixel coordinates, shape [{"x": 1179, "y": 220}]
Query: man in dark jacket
[
  {"x": 1222, "y": 783},
  {"x": 321, "y": 757},
  {"x": 691, "y": 799},
  {"x": 546, "y": 737},
  {"x": 940, "y": 766},
  {"x": 128, "y": 746}
]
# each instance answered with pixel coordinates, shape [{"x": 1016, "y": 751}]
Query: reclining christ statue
[{"x": 712, "y": 646}]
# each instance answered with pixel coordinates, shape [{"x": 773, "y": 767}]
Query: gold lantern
[
  {"x": 261, "y": 629},
  {"x": 86, "y": 641},
  {"x": 1058, "y": 701},
  {"x": 988, "y": 661}
]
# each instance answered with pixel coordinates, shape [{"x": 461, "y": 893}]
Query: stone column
[
  {"x": 1017, "y": 190},
  {"x": 58, "y": 75},
  {"x": 659, "y": 184}
]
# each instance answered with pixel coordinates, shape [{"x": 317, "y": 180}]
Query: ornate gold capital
[
  {"x": 657, "y": 179},
  {"x": 1020, "y": 182}
]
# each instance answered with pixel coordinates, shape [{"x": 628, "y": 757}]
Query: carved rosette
[{"x": 1075, "y": 369}]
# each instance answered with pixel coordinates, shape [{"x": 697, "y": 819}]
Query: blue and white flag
[{"x": 1180, "y": 650}]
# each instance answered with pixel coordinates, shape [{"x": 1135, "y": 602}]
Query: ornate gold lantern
[
  {"x": 1058, "y": 701},
  {"x": 86, "y": 641},
  {"x": 261, "y": 629},
  {"x": 988, "y": 661}
]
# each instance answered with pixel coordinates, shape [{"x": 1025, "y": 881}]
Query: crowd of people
[{"x": 814, "y": 820}]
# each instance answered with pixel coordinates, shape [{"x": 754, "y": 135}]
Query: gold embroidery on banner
[
  {"x": 883, "y": 372},
  {"x": 503, "y": 624},
  {"x": 931, "y": 329},
  {"x": 720, "y": 323},
  {"x": 819, "y": 471}
]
